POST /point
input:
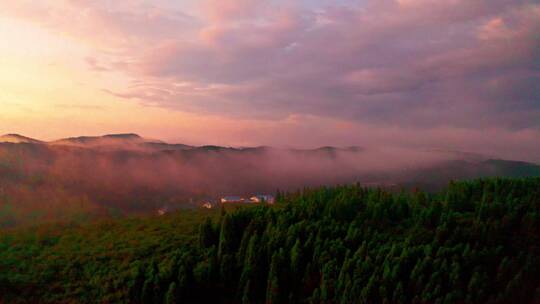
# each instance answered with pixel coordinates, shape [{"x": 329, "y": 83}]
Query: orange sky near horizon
[{"x": 47, "y": 91}]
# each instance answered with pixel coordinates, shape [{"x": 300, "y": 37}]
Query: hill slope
[{"x": 17, "y": 139}]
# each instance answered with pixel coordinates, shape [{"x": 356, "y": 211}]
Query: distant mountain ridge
[
  {"x": 450, "y": 164},
  {"x": 132, "y": 141},
  {"x": 17, "y": 139},
  {"x": 135, "y": 141},
  {"x": 109, "y": 139}
]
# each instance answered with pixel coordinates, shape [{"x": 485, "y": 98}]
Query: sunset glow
[{"x": 460, "y": 75}]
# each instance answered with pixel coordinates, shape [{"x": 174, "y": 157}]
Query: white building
[
  {"x": 263, "y": 198},
  {"x": 231, "y": 199},
  {"x": 162, "y": 211}
]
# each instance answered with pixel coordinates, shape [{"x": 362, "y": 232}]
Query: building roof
[{"x": 231, "y": 198}]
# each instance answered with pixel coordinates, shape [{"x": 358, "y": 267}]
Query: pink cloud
[
  {"x": 100, "y": 23},
  {"x": 229, "y": 10}
]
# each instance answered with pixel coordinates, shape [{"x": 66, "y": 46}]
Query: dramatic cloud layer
[{"x": 461, "y": 74}]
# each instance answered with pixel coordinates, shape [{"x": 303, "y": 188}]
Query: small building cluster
[
  {"x": 232, "y": 199},
  {"x": 259, "y": 198},
  {"x": 210, "y": 203},
  {"x": 163, "y": 210}
]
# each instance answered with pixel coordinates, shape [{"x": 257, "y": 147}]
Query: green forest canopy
[{"x": 474, "y": 242}]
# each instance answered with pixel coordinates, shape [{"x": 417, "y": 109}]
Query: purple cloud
[{"x": 374, "y": 62}]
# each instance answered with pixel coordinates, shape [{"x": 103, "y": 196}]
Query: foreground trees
[{"x": 475, "y": 242}]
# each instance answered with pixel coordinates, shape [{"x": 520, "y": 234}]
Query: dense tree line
[{"x": 474, "y": 242}]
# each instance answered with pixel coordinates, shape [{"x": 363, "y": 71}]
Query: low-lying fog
[{"x": 139, "y": 177}]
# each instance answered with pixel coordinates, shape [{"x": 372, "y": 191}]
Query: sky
[{"x": 447, "y": 74}]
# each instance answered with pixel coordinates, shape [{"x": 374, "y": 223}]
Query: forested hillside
[
  {"x": 87, "y": 178},
  {"x": 474, "y": 242}
]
